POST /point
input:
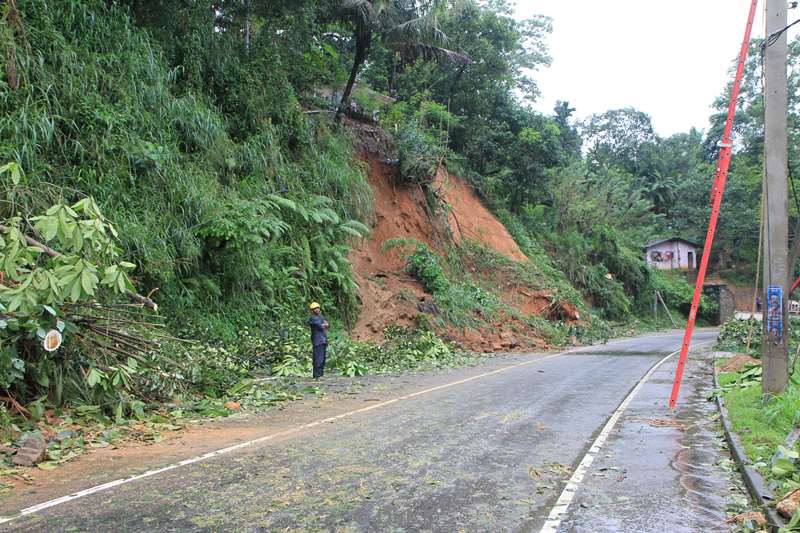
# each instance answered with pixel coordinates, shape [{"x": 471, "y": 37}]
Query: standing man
[{"x": 319, "y": 338}]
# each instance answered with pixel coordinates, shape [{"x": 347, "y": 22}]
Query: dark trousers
[{"x": 319, "y": 360}]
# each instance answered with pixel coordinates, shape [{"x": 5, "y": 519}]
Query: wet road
[{"x": 489, "y": 454}]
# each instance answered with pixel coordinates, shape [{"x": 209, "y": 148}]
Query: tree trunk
[
  {"x": 14, "y": 23},
  {"x": 11, "y": 66},
  {"x": 363, "y": 40},
  {"x": 137, "y": 10},
  {"x": 247, "y": 28}
]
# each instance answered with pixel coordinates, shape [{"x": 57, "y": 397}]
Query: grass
[
  {"x": 762, "y": 423},
  {"x": 761, "y": 426}
]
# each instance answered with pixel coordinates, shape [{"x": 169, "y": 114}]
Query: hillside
[
  {"x": 231, "y": 207},
  {"x": 391, "y": 297},
  {"x": 194, "y": 157}
]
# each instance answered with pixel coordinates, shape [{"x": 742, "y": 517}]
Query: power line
[{"x": 774, "y": 36}]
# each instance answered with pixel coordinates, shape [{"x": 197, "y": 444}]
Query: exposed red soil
[
  {"x": 469, "y": 218},
  {"x": 738, "y": 362},
  {"x": 390, "y": 297}
]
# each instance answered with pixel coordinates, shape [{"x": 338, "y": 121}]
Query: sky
[{"x": 668, "y": 58}]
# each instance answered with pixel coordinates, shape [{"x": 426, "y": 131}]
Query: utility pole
[{"x": 776, "y": 238}]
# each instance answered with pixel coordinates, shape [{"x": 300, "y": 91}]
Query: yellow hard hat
[{"x": 313, "y": 305}]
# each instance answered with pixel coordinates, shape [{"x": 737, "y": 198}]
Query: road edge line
[
  {"x": 291, "y": 431},
  {"x": 559, "y": 510}
]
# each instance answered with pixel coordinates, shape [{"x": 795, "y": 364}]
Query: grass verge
[{"x": 762, "y": 423}]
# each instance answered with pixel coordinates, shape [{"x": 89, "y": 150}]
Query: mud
[
  {"x": 469, "y": 218},
  {"x": 390, "y": 297}
]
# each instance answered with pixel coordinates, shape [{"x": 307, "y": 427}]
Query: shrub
[
  {"x": 424, "y": 266},
  {"x": 677, "y": 294},
  {"x": 419, "y": 152}
]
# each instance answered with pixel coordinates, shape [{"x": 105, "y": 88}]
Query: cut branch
[{"x": 138, "y": 298}]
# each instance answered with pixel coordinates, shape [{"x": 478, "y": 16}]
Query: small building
[{"x": 671, "y": 254}]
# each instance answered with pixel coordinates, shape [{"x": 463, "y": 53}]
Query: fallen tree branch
[
  {"x": 138, "y": 298},
  {"x": 15, "y": 405}
]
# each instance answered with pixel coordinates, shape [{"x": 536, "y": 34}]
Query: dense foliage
[{"x": 210, "y": 135}]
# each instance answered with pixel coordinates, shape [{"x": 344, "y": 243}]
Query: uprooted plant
[{"x": 54, "y": 283}]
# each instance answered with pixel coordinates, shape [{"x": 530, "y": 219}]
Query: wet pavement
[
  {"x": 659, "y": 470},
  {"x": 490, "y": 454}
]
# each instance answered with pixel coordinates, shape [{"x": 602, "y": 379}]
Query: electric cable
[{"x": 774, "y": 36}]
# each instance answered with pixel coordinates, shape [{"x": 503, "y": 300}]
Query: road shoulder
[
  {"x": 339, "y": 395},
  {"x": 661, "y": 470}
]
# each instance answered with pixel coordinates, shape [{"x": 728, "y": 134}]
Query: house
[{"x": 671, "y": 253}]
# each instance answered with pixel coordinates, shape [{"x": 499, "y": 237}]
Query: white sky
[{"x": 668, "y": 58}]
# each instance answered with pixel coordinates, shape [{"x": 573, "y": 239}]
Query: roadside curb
[{"x": 756, "y": 486}]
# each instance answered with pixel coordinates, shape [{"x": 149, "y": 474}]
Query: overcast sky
[{"x": 668, "y": 58}]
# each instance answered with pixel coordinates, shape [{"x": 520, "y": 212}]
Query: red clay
[
  {"x": 470, "y": 219},
  {"x": 390, "y": 297}
]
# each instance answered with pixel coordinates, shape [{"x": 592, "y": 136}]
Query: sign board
[{"x": 775, "y": 311}]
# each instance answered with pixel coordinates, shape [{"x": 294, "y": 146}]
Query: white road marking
[
  {"x": 559, "y": 510},
  {"x": 224, "y": 451},
  {"x": 150, "y": 473}
]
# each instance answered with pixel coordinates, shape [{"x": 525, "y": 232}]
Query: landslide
[{"x": 488, "y": 254}]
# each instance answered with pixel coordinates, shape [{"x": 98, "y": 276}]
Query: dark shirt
[{"x": 318, "y": 333}]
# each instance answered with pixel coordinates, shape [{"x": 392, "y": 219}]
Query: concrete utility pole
[{"x": 776, "y": 238}]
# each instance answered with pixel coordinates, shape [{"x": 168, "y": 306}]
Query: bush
[
  {"x": 232, "y": 203},
  {"x": 677, "y": 294},
  {"x": 424, "y": 266},
  {"x": 403, "y": 349},
  {"x": 734, "y": 333},
  {"x": 419, "y": 152}
]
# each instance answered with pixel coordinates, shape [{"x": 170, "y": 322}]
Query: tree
[
  {"x": 535, "y": 149},
  {"x": 618, "y": 138},
  {"x": 404, "y": 26},
  {"x": 570, "y": 137}
]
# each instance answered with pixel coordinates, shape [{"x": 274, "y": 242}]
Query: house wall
[{"x": 674, "y": 255}]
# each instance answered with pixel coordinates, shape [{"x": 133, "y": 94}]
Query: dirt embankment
[
  {"x": 388, "y": 294},
  {"x": 391, "y": 297},
  {"x": 469, "y": 219}
]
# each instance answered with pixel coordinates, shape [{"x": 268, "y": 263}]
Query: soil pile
[{"x": 738, "y": 362}]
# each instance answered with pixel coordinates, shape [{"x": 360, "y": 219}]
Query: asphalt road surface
[{"x": 489, "y": 452}]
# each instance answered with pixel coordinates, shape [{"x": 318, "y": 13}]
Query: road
[{"x": 485, "y": 449}]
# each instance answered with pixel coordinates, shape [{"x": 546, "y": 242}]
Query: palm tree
[
  {"x": 401, "y": 26},
  {"x": 660, "y": 190}
]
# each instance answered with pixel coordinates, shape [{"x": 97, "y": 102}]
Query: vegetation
[
  {"x": 188, "y": 153},
  {"x": 762, "y": 424}
]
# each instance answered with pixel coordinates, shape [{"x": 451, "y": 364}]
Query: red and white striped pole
[{"x": 718, "y": 189}]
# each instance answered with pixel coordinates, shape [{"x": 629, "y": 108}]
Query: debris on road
[
  {"x": 535, "y": 474},
  {"x": 31, "y": 452},
  {"x": 661, "y": 422},
  {"x": 787, "y": 507},
  {"x": 750, "y": 519},
  {"x": 738, "y": 362}
]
